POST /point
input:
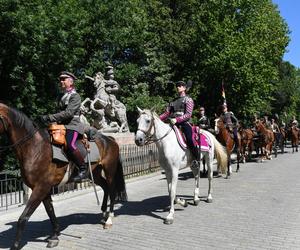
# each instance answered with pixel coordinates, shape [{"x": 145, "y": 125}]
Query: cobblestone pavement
[{"x": 258, "y": 208}]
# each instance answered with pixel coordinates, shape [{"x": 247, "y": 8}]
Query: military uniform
[
  {"x": 69, "y": 111},
  {"x": 204, "y": 122},
  {"x": 181, "y": 110},
  {"x": 69, "y": 106},
  {"x": 231, "y": 123}
]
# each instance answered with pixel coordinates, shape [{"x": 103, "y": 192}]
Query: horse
[
  {"x": 33, "y": 150},
  {"x": 225, "y": 137},
  {"x": 246, "y": 144},
  {"x": 294, "y": 132},
  {"x": 173, "y": 157},
  {"x": 267, "y": 139}
]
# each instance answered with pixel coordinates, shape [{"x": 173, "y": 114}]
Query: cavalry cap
[
  {"x": 180, "y": 83},
  {"x": 202, "y": 108},
  {"x": 66, "y": 74}
]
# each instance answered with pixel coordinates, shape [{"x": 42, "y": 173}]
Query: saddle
[
  {"x": 58, "y": 153},
  {"x": 199, "y": 139}
]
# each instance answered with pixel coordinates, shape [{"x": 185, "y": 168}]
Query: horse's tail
[
  {"x": 221, "y": 155},
  {"x": 121, "y": 194}
]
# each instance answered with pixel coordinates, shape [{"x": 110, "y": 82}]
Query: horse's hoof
[
  {"x": 185, "y": 204},
  {"x": 107, "y": 226},
  {"x": 227, "y": 177},
  {"x": 196, "y": 202},
  {"x": 168, "y": 221},
  {"x": 52, "y": 243},
  {"x": 209, "y": 200}
]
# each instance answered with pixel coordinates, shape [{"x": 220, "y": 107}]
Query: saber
[{"x": 92, "y": 177}]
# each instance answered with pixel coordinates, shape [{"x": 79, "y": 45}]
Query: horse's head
[
  {"x": 258, "y": 125},
  {"x": 219, "y": 124},
  {"x": 145, "y": 125}
]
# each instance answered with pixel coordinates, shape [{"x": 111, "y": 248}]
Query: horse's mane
[{"x": 21, "y": 120}]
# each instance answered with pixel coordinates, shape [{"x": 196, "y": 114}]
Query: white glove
[{"x": 173, "y": 121}]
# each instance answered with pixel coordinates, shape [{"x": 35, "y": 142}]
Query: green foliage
[{"x": 150, "y": 43}]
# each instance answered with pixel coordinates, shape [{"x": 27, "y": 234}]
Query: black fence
[{"x": 136, "y": 161}]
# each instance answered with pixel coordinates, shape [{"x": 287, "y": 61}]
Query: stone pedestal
[{"x": 122, "y": 138}]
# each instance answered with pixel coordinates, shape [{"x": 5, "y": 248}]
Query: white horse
[{"x": 172, "y": 157}]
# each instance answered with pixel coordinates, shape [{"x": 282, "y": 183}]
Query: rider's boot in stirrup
[{"x": 81, "y": 164}]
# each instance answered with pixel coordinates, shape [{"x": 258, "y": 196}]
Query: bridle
[
  {"x": 18, "y": 142},
  {"x": 149, "y": 138}
]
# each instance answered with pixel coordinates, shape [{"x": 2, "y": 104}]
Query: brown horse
[
  {"x": 267, "y": 139},
  {"x": 294, "y": 131},
  {"x": 34, "y": 153},
  {"x": 246, "y": 144},
  {"x": 226, "y": 138}
]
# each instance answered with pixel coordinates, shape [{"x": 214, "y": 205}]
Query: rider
[
  {"x": 69, "y": 106},
  {"x": 294, "y": 121},
  {"x": 230, "y": 121},
  {"x": 203, "y": 120},
  {"x": 276, "y": 130},
  {"x": 180, "y": 111}
]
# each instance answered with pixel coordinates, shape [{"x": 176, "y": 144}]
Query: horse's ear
[
  {"x": 152, "y": 109},
  {"x": 139, "y": 110}
]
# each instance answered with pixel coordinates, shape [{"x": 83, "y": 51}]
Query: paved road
[{"x": 258, "y": 208}]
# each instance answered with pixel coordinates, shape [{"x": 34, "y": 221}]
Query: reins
[
  {"x": 18, "y": 142},
  {"x": 149, "y": 138}
]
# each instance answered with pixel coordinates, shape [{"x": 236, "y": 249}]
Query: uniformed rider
[
  {"x": 230, "y": 122},
  {"x": 180, "y": 111},
  {"x": 69, "y": 111},
  {"x": 203, "y": 121}
]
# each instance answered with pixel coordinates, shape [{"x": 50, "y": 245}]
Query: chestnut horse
[
  {"x": 226, "y": 138},
  {"x": 34, "y": 152},
  {"x": 267, "y": 139},
  {"x": 246, "y": 144},
  {"x": 294, "y": 132}
]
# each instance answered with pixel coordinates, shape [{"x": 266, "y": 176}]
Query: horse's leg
[
  {"x": 53, "y": 240},
  {"x": 99, "y": 180},
  {"x": 172, "y": 184},
  {"x": 196, "y": 173},
  {"x": 238, "y": 155},
  {"x": 34, "y": 201},
  {"x": 228, "y": 165},
  {"x": 112, "y": 196},
  {"x": 209, "y": 176}
]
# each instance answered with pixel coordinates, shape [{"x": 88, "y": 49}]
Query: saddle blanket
[
  {"x": 59, "y": 155},
  {"x": 202, "y": 140}
]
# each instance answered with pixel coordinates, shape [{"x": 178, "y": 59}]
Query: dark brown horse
[
  {"x": 246, "y": 144},
  {"x": 226, "y": 138},
  {"x": 267, "y": 139},
  {"x": 294, "y": 132},
  {"x": 34, "y": 153}
]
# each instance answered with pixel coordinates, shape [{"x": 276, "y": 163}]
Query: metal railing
[
  {"x": 11, "y": 191},
  {"x": 136, "y": 161}
]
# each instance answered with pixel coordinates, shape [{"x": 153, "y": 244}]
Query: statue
[{"x": 108, "y": 113}]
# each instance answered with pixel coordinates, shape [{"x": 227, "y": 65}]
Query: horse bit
[{"x": 149, "y": 138}]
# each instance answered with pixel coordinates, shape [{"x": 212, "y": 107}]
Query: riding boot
[
  {"x": 196, "y": 154},
  {"x": 79, "y": 161}
]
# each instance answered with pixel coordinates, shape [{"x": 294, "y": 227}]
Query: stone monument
[{"x": 107, "y": 114}]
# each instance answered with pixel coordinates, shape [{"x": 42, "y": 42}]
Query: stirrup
[{"x": 82, "y": 175}]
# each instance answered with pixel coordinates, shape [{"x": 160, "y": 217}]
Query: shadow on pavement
[{"x": 39, "y": 231}]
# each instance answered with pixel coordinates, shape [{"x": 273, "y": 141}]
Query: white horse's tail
[
  {"x": 220, "y": 151},
  {"x": 221, "y": 155}
]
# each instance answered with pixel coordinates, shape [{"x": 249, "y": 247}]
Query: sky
[{"x": 289, "y": 10}]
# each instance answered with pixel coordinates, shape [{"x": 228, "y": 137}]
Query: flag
[{"x": 223, "y": 92}]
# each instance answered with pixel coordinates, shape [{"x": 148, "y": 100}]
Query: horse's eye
[{"x": 147, "y": 121}]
